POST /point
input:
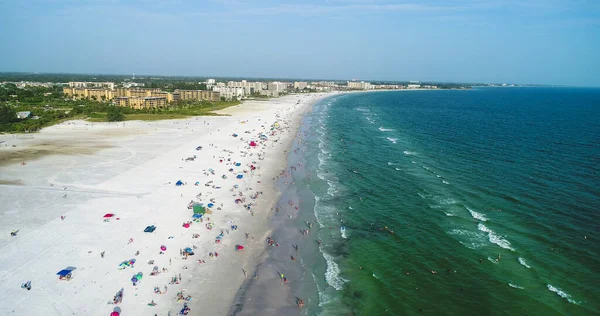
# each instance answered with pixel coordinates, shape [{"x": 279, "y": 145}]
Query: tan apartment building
[
  {"x": 137, "y": 92},
  {"x": 101, "y": 85},
  {"x": 82, "y": 93},
  {"x": 141, "y": 102},
  {"x": 200, "y": 95}
]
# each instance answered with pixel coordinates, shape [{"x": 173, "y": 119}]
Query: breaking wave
[
  {"x": 495, "y": 238},
  {"x": 332, "y": 274},
  {"x": 476, "y": 215},
  {"x": 562, "y": 294},
  {"x": 523, "y": 263}
]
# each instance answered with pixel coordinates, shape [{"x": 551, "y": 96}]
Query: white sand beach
[{"x": 77, "y": 172}]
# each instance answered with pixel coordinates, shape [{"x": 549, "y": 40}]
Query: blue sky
[{"x": 535, "y": 41}]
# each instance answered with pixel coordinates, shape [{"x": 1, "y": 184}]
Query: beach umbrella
[
  {"x": 239, "y": 248},
  {"x": 139, "y": 276},
  {"x": 114, "y": 314},
  {"x": 210, "y": 205},
  {"x": 188, "y": 250},
  {"x": 163, "y": 248},
  {"x": 108, "y": 215}
]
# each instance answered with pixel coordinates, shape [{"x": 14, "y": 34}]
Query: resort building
[
  {"x": 84, "y": 93},
  {"x": 249, "y": 87},
  {"x": 355, "y": 85},
  {"x": 141, "y": 102},
  {"x": 300, "y": 85},
  {"x": 137, "y": 92},
  {"x": 200, "y": 95},
  {"x": 269, "y": 93},
  {"x": 78, "y": 84},
  {"x": 276, "y": 86},
  {"x": 229, "y": 92}
]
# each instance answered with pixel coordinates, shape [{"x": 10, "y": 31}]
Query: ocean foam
[
  {"x": 477, "y": 215},
  {"x": 515, "y": 286},
  {"x": 317, "y": 203},
  {"x": 393, "y": 140},
  {"x": 495, "y": 238},
  {"x": 471, "y": 240},
  {"x": 522, "y": 262},
  {"x": 445, "y": 182},
  {"x": 398, "y": 169},
  {"x": 444, "y": 201},
  {"x": 320, "y": 174},
  {"x": 562, "y": 294},
  {"x": 386, "y": 129},
  {"x": 323, "y": 297},
  {"x": 343, "y": 232},
  {"x": 410, "y": 153},
  {"x": 332, "y": 274},
  {"x": 332, "y": 189}
]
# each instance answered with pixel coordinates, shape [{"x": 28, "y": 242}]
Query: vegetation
[
  {"x": 7, "y": 114},
  {"x": 115, "y": 114},
  {"x": 48, "y": 106}
]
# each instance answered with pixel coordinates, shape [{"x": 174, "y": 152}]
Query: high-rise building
[
  {"x": 229, "y": 92},
  {"x": 276, "y": 86},
  {"x": 356, "y": 85},
  {"x": 200, "y": 95},
  {"x": 300, "y": 85}
]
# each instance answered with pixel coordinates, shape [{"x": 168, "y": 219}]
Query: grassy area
[
  {"x": 169, "y": 113},
  {"x": 97, "y": 112}
]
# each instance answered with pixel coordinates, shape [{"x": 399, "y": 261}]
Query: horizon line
[{"x": 292, "y": 78}]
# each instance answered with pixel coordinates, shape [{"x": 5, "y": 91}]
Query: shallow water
[{"x": 494, "y": 190}]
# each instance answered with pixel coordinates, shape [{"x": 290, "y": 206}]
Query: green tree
[
  {"x": 7, "y": 114},
  {"x": 115, "y": 114}
]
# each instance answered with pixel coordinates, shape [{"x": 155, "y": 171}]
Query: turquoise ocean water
[{"x": 479, "y": 202}]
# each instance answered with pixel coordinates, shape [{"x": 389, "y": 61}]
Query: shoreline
[{"x": 132, "y": 176}]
